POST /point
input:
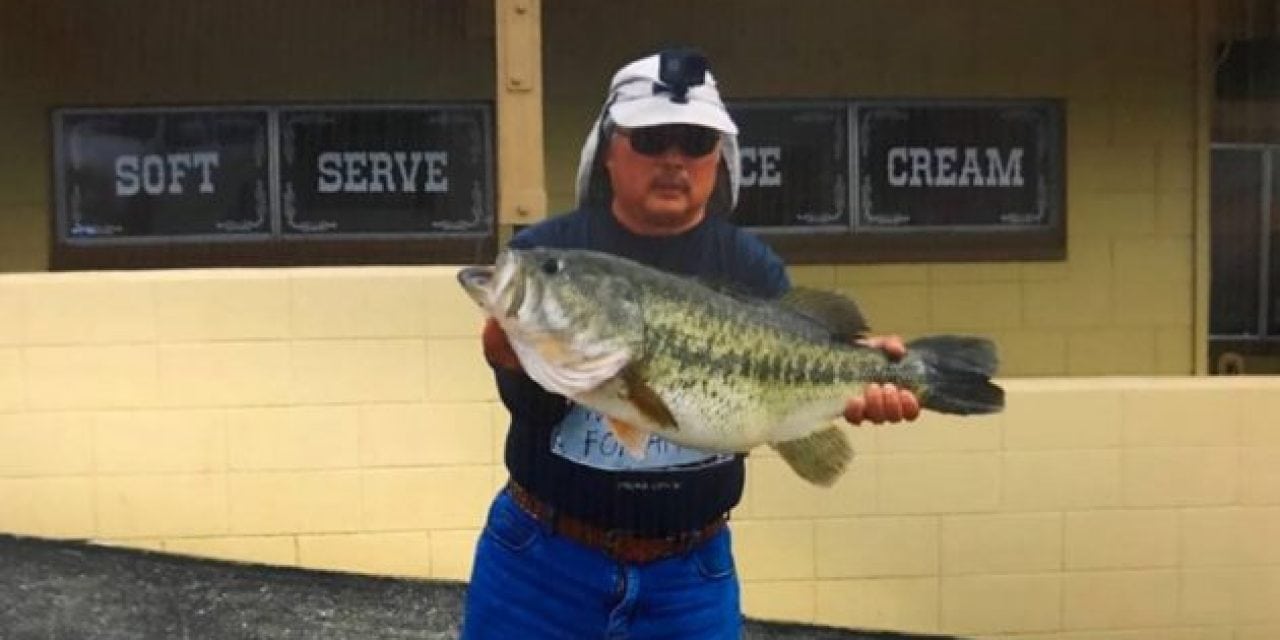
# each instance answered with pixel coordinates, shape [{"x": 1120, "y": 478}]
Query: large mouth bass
[{"x": 707, "y": 367}]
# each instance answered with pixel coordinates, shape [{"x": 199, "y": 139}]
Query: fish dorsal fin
[
  {"x": 646, "y": 400},
  {"x": 833, "y": 311},
  {"x": 635, "y": 441},
  {"x": 726, "y": 287},
  {"x": 820, "y": 457}
]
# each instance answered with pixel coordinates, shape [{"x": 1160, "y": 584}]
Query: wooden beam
[
  {"x": 522, "y": 194},
  {"x": 1205, "y": 12}
]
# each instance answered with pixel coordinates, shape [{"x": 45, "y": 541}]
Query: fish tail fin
[
  {"x": 820, "y": 457},
  {"x": 957, "y": 374}
]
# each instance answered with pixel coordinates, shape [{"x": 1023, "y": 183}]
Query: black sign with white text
[
  {"x": 794, "y": 165},
  {"x": 959, "y": 165},
  {"x": 386, "y": 170},
  {"x": 162, "y": 173}
]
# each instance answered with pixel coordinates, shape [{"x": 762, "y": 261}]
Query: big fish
[{"x": 705, "y": 366}]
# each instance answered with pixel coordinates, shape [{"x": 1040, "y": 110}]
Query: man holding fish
[{"x": 613, "y": 524}]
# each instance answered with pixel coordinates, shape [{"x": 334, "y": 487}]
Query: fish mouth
[
  {"x": 478, "y": 283},
  {"x": 499, "y": 289}
]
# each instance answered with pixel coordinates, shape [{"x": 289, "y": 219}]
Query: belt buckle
[
  {"x": 611, "y": 537},
  {"x": 615, "y": 548},
  {"x": 649, "y": 549},
  {"x": 685, "y": 541}
]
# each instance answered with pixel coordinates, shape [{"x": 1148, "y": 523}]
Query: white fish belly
[
  {"x": 718, "y": 417},
  {"x": 723, "y": 420},
  {"x": 806, "y": 417}
]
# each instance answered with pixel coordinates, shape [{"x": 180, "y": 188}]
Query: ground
[{"x": 66, "y": 590}]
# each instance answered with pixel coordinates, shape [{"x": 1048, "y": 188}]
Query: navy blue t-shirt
[{"x": 565, "y": 454}]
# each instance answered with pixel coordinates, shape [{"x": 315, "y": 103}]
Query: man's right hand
[{"x": 497, "y": 349}]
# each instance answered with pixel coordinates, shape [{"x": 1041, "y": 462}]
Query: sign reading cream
[
  {"x": 955, "y": 167},
  {"x": 993, "y": 165}
]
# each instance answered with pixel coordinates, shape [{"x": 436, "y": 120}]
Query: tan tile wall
[{"x": 343, "y": 419}]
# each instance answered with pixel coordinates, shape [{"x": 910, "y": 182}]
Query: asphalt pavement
[{"x": 69, "y": 590}]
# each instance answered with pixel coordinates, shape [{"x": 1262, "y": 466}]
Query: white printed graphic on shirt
[{"x": 584, "y": 438}]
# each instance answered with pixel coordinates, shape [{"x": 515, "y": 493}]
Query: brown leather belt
[{"x": 621, "y": 545}]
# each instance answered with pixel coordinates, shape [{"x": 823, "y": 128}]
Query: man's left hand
[{"x": 880, "y": 403}]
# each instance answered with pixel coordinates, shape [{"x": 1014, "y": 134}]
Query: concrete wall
[{"x": 343, "y": 418}]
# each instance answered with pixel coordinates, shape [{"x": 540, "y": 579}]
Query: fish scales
[
  {"x": 769, "y": 361},
  {"x": 749, "y": 345}
]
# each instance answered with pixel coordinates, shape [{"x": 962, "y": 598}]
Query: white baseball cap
[{"x": 638, "y": 96}]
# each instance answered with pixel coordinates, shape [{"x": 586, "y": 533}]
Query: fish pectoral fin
[
  {"x": 634, "y": 440},
  {"x": 646, "y": 400},
  {"x": 820, "y": 457}
]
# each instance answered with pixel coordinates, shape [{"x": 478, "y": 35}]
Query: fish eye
[{"x": 551, "y": 266}]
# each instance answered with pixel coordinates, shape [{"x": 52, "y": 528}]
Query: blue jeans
[{"x": 528, "y": 583}]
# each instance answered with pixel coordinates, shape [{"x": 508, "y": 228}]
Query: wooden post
[
  {"x": 1205, "y": 32},
  {"x": 522, "y": 195}
]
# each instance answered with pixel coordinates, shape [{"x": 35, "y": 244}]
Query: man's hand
[
  {"x": 881, "y": 403},
  {"x": 497, "y": 349}
]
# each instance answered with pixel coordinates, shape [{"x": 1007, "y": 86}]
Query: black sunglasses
[{"x": 692, "y": 141}]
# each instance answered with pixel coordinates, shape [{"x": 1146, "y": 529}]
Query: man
[{"x": 586, "y": 541}]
